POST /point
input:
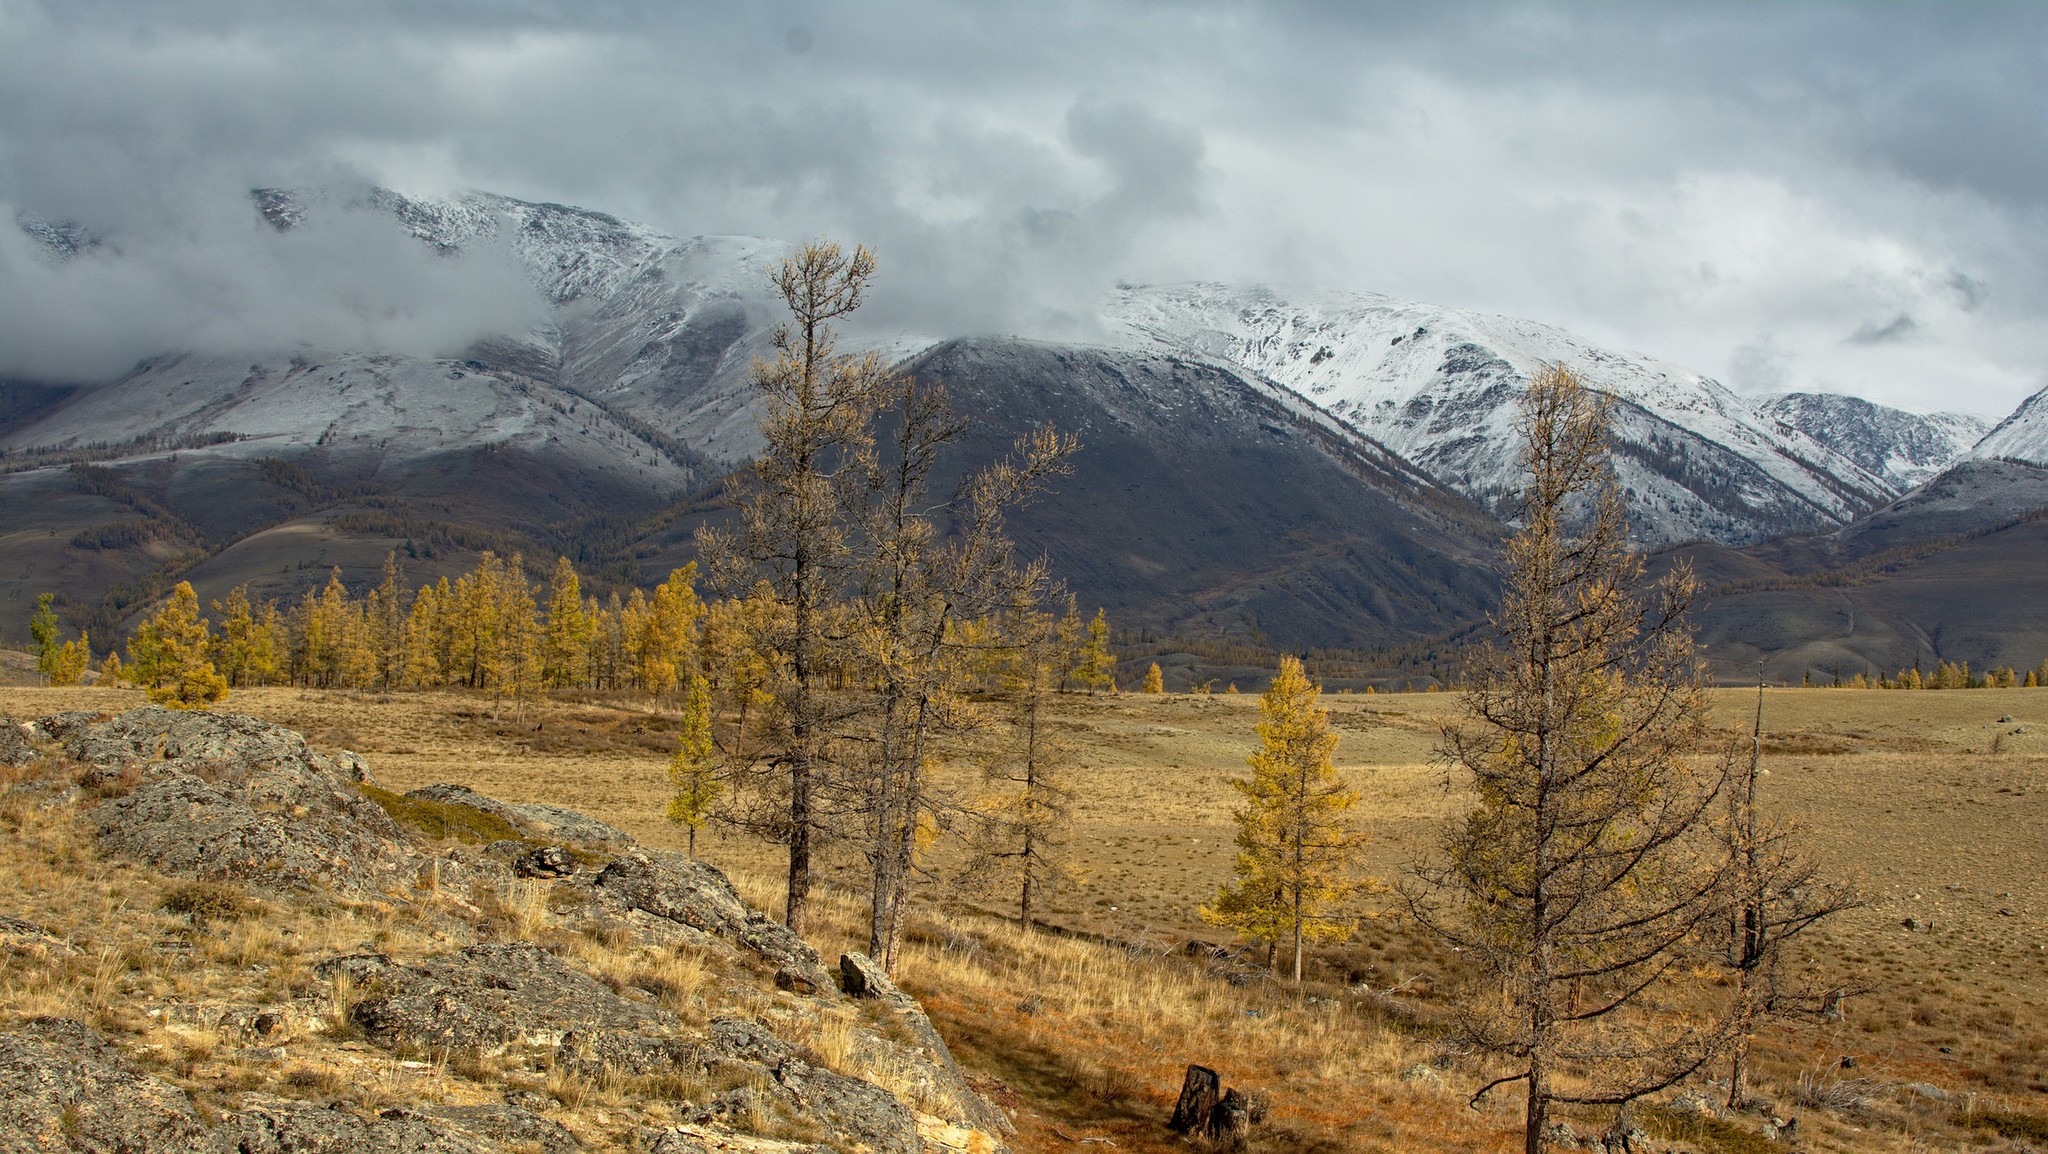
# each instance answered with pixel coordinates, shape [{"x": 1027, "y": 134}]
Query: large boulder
[
  {"x": 63, "y": 1088},
  {"x": 855, "y": 1116},
  {"x": 235, "y": 799}
]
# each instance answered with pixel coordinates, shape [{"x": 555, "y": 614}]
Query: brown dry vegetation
[{"x": 1929, "y": 801}]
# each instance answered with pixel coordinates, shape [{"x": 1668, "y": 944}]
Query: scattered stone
[
  {"x": 26, "y": 939},
  {"x": 1692, "y": 1102},
  {"x": 1924, "y": 1090},
  {"x": 63, "y": 1088},
  {"x": 1424, "y": 1073},
  {"x": 524, "y": 1129},
  {"x": 548, "y": 861}
]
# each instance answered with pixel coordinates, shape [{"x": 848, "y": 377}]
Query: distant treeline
[
  {"x": 1877, "y": 564},
  {"x": 44, "y": 456}
]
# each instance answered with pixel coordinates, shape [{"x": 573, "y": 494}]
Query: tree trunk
[{"x": 1199, "y": 1093}]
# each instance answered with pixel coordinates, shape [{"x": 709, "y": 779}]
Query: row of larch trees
[
  {"x": 870, "y": 628},
  {"x": 879, "y": 602}
]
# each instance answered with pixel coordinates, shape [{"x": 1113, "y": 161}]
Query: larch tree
[
  {"x": 245, "y": 650},
  {"x": 694, "y": 783},
  {"x": 1095, "y": 666},
  {"x": 42, "y": 631},
  {"x": 565, "y": 645},
  {"x": 1155, "y": 681},
  {"x": 916, "y": 591},
  {"x": 790, "y": 535},
  {"x": 384, "y": 625},
  {"x": 1296, "y": 848},
  {"x": 73, "y": 658},
  {"x": 1585, "y": 872},
  {"x": 1022, "y": 838},
  {"x": 168, "y": 655}
]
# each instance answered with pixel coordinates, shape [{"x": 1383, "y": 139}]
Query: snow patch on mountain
[
  {"x": 1903, "y": 448},
  {"x": 2023, "y": 436},
  {"x": 1440, "y": 386}
]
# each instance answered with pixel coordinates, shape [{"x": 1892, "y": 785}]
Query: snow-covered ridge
[
  {"x": 1439, "y": 386},
  {"x": 2023, "y": 436},
  {"x": 1903, "y": 448}
]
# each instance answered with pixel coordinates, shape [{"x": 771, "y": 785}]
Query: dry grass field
[{"x": 1934, "y": 803}]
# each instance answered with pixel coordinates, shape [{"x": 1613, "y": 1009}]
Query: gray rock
[
  {"x": 854, "y": 1115},
  {"x": 288, "y": 1127},
  {"x": 690, "y": 894},
  {"x": 511, "y": 1124},
  {"x": 26, "y": 939},
  {"x": 15, "y": 749},
  {"x": 63, "y": 1088},
  {"x": 553, "y": 823},
  {"x": 548, "y": 861},
  {"x": 234, "y": 799},
  {"x": 941, "y": 1078},
  {"x": 487, "y": 999}
]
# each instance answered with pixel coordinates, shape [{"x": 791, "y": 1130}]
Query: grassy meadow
[{"x": 1934, "y": 803}]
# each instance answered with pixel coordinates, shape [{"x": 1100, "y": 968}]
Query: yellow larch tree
[{"x": 168, "y": 655}]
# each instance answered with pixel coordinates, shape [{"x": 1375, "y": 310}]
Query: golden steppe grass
[{"x": 1931, "y": 802}]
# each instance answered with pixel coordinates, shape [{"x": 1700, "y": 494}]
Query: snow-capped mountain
[
  {"x": 1439, "y": 386},
  {"x": 1901, "y": 447},
  {"x": 2023, "y": 436}
]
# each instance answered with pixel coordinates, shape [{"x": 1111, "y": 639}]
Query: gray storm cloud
[{"x": 1696, "y": 181}]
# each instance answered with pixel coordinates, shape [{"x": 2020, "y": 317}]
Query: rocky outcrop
[
  {"x": 231, "y": 798},
  {"x": 936, "y": 1079},
  {"x": 62, "y": 1087},
  {"x": 15, "y": 749},
  {"x": 486, "y": 1000}
]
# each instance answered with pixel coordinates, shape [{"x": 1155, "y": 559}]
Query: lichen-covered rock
[
  {"x": 521, "y": 1130},
  {"x": 487, "y": 999},
  {"x": 234, "y": 799},
  {"x": 15, "y": 748},
  {"x": 26, "y": 939},
  {"x": 674, "y": 889},
  {"x": 853, "y": 1115},
  {"x": 697, "y": 1139},
  {"x": 288, "y": 1127},
  {"x": 63, "y": 1088},
  {"x": 933, "y": 1076}
]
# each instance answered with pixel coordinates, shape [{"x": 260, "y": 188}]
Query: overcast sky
[{"x": 1850, "y": 197}]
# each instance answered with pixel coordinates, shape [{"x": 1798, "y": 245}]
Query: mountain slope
[
  {"x": 1439, "y": 386},
  {"x": 1902, "y": 448},
  {"x": 2022, "y": 436}
]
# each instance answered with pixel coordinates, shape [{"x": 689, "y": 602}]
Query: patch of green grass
[
  {"x": 437, "y": 820},
  {"x": 1703, "y": 1130},
  {"x": 2026, "y": 1127}
]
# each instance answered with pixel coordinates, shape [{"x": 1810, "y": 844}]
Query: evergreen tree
[
  {"x": 1295, "y": 845},
  {"x": 384, "y": 624},
  {"x": 168, "y": 655},
  {"x": 1155, "y": 681},
  {"x": 73, "y": 658},
  {"x": 245, "y": 651}
]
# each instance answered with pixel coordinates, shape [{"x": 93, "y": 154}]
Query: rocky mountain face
[
  {"x": 1304, "y": 468},
  {"x": 2022, "y": 437},
  {"x": 1902, "y": 448},
  {"x": 1439, "y": 386},
  {"x": 589, "y": 994}
]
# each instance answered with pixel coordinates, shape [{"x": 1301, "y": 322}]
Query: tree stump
[
  {"x": 1199, "y": 1093},
  {"x": 1230, "y": 1122}
]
